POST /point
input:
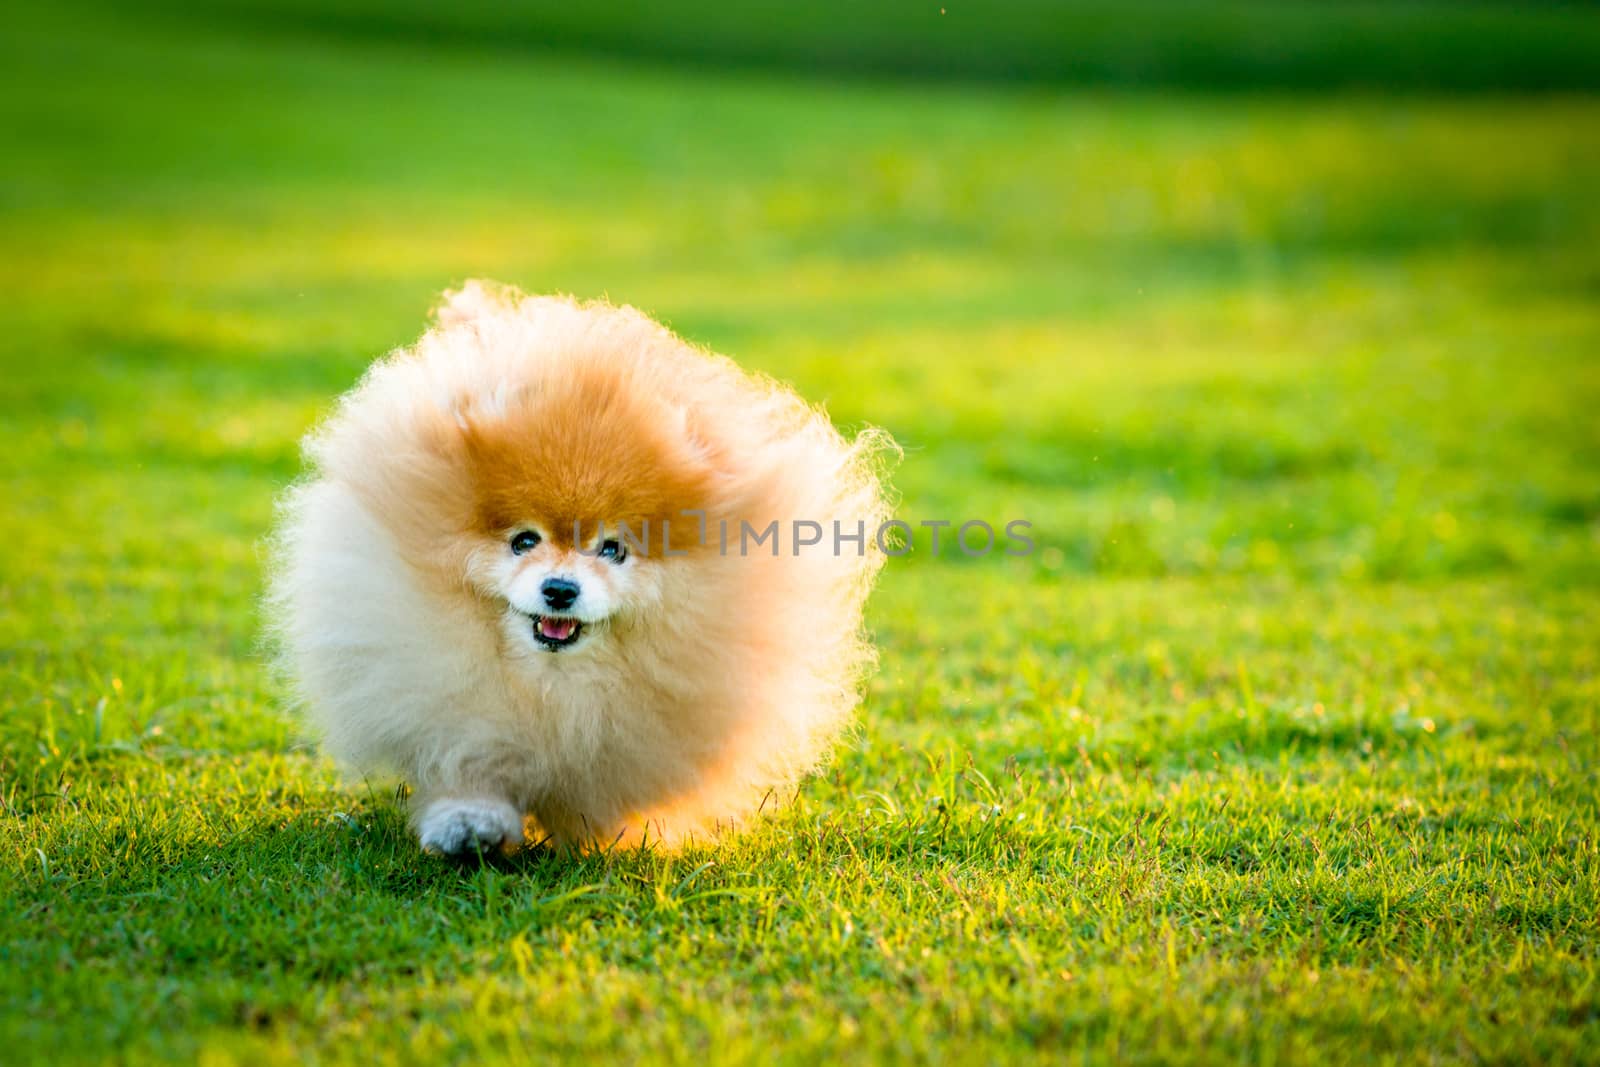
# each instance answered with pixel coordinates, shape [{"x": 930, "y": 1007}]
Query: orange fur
[{"x": 702, "y": 681}]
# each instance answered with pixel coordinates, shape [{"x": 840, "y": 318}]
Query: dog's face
[
  {"x": 577, "y": 487},
  {"x": 563, "y": 593}
]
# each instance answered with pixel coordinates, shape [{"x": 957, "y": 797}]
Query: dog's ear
[{"x": 475, "y": 299}]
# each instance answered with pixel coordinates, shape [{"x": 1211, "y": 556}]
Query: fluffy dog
[{"x": 535, "y": 573}]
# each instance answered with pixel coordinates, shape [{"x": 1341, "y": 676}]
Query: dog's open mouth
[{"x": 556, "y": 631}]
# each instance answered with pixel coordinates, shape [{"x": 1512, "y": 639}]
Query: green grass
[{"x": 1283, "y": 747}]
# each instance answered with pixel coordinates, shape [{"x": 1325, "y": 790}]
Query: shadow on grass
[{"x": 329, "y": 896}]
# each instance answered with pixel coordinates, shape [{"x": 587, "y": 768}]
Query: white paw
[{"x": 463, "y": 827}]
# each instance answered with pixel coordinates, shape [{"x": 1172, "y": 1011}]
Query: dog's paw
[{"x": 464, "y": 827}]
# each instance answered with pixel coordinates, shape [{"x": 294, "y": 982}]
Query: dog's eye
[
  {"x": 613, "y": 550},
  {"x": 526, "y": 541}
]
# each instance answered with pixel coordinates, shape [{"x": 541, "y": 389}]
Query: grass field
[{"x": 1282, "y": 748}]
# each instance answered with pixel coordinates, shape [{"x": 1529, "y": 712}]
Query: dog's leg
[{"x": 462, "y": 826}]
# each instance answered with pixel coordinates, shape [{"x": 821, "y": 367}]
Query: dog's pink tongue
[{"x": 557, "y": 629}]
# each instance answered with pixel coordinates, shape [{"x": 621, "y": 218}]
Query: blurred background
[{"x": 1301, "y": 288}]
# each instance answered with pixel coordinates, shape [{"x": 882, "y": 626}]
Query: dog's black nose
[{"x": 559, "y": 593}]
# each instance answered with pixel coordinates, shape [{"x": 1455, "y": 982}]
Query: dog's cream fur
[{"x": 701, "y": 685}]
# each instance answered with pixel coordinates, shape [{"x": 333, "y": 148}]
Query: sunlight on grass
[{"x": 1282, "y": 746}]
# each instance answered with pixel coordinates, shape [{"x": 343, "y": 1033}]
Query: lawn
[{"x": 1283, "y": 746}]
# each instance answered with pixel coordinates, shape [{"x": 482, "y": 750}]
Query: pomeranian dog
[{"x": 560, "y": 570}]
